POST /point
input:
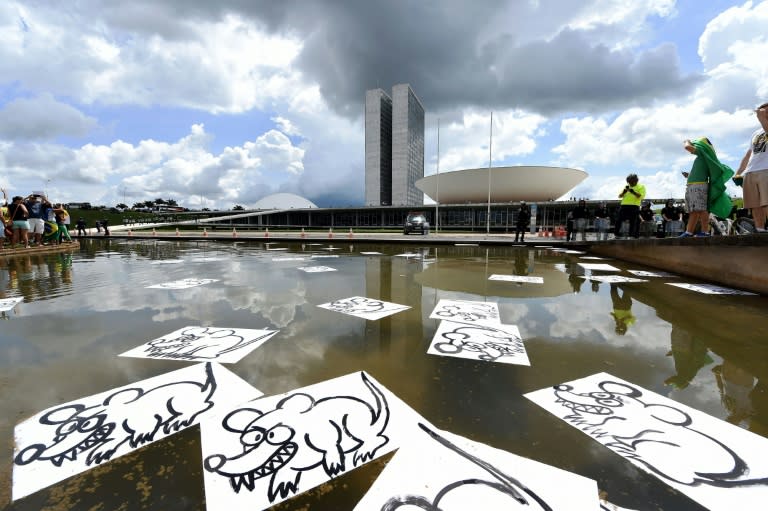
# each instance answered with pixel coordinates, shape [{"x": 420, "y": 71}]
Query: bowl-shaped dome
[
  {"x": 283, "y": 201},
  {"x": 508, "y": 184}
]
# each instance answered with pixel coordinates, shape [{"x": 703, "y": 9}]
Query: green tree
[{"x": 238, "y": 207}]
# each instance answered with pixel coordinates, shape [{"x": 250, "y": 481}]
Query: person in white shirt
[{"x": 754, "y": 166}]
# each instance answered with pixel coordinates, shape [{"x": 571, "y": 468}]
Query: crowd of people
[{"x": 33, "y": 221}]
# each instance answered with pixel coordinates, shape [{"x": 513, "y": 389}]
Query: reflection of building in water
[{"x": 689, "y": 355}]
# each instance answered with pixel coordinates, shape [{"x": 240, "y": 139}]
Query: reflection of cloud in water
[{"x": 589, "y": 315}]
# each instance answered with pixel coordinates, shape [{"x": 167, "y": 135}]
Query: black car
[{"x": 416, "y": 222}]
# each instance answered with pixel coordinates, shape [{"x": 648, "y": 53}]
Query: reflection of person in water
[
  {"x": 735, "y": 385},
  {"x": 521, "y": 262},
  {"x": 689, "y": 355},
  {"x": 622, "y": 309}
]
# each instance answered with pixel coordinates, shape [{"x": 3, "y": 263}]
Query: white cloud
[{"x": 42, "y": 117}]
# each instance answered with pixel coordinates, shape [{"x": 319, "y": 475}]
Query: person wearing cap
[
  {"x": 705, "y": 187},
  {"x": 631, "y": 197},
  {"x": 523, "y": 220},
  {"x": 754, "y": 167}
]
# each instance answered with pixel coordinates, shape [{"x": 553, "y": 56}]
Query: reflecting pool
[{"x": 82, "y": 309}]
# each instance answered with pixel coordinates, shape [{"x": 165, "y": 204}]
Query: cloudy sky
[{"x": 222, "y": 103}]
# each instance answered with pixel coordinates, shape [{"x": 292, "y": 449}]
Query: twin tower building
[{"x": 394, "y": 147}]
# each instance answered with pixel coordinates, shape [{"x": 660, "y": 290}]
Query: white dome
[
  {"x": 283, "y": 201},
  {"x": 508, "y": 184}
]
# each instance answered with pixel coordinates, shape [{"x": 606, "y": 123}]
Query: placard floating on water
[
  {"x": 644, "y": 273},
  {"x": 466, "y": 311},
  {"x": 486, "y": 342},
  {"x": 324, "y": 256},
  {"x": 594, "y": 258},
  {"x": 518, "y": 278},
  {"x": 409, "y": 255},
  {"x": 612, "y": 279},
  {"x": 598, "y": 267},
  {"x": 371, "y": 253},
  {"x": 168, "y": 261},
  {"x": 263, "y": 452},
  {"x": 7, "y": 304},
  {"x": 71, "y": 438},
  {"x": 183, "y": 283},
  {"x": 366, "y": 308},
  {"x": 719, "y": 465},
  {"x": 281, "y": 259},
  {"x": 201, "y": 343},
  {"x": 316, "y": 269},
  {"x": 711, "y": 289},
  {"x": 437, "y": 470}
]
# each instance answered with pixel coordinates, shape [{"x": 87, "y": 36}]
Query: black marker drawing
[
  {"x": 197, "y": 343},
  {"x": 130, "y": 417},
  {"x": 503, "y": 483},
  {"x": 660, "y": 437},
  {"x": 466, "y": 311},
  {"x": 479, "y": 341},
  {"x": 363, "y": 307},
  {"x": 302, "y": 434}
]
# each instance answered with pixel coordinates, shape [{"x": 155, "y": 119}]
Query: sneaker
[
  {"x": 702, "y": 235},
  {"x": 686, "y": 235}
]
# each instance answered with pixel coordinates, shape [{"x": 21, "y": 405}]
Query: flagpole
[
  {"x": 437, "y": 202},
  {"x": 490, "y": 160}
]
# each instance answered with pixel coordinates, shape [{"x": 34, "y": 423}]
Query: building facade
[
  {"x": 378, "y": 148},
  {"x": 394, "y": 147}
]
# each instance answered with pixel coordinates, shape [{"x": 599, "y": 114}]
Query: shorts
[
  {"x": 755, "y": 187},
  {"x": 36, "y": 226},
  {"x": 21, "y": 224},
  {"x": 696, "y": 197}
]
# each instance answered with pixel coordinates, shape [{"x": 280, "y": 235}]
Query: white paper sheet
[
  {"x": 486, "y": 342},
  {"x": 719, "y": 465},
  {"x": 598, "y": 267},
  {"x": 200, "y": 344},
  {"x": 327, "y": 256},
  {"x": 266, "y": 451},
  {"x": 371, "y": 253},
  {"x": 316, "y": 269},
  {"x": 168, "y": 261},
  {"x": 594, "y": 258},
  {"x": 7, "y": 304},
  {"x": 711, "y": 289},
  {"x": 282, "y": 259},
  {"x": 518, "y": 278},
  {"x": 611, "y": 279},
  {"x": 644, "y": 273},
  {"x": 466, "y": 311},
  {"x": 71, "y": 438},
  {"x": 437, "y": 470},
  {"x": 362, "y": 307},
  {"x": 183, "y": 283}
]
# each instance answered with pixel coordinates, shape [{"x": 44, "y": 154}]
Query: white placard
[
  {"x": 409, "y": 255},
  {"x": 203, "y": 343},
  {"x": 371, "y": 253},
  {"x": 644, "y": 273},
  {"x": 316, "y": 269},
  {"x": 574, "y": 252},
  {"x": 324, "y": 256},
  {"x": 71, "y": 438},
  {"x": 466, "y": 311},
  {"x": 366, "y": 308},
  {"x": 518, "y": 278},
  {"x": 281, "y": 259},
  {"x": 266, "y": 451},
  {"x": 719, "y": 465},
  {"x": 168, "y": 261},
  {"x": 612, "y": 279},
  {"x": 594, "y": 258},
  {"x": 7, "y": 304},
  {"x": 485, "y": 342},
  {"x": 437, "y": 470},
  {"x": 331, "y": 248},
  {"x": 277, "y": 249},
  {"x": 598, "y": 267},
  {"x": 607, "y": 506},
  {"x": 207, "y": 259},
  {"x": 466, "y": 244},
  {"x": 711, "y": 289},
  {"x": 183, "y": 283}
]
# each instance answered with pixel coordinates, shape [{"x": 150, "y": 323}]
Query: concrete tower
[{"x": 378, "y": 148}]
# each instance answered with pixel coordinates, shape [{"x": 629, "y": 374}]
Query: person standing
[
  {"x": 34, "y": 206},
  {"x": 602, "y": 221},
  {"x": 61, "y": 215},
  {"x": 647, "y": 220},
  {"x": 705, "y": 187},
  {"x": 754, "y": 166},
  {"x": 80, "y": 227},
  {"x": 4, "y": 219},
  {"x": 580, "y": 217},
  {"x": 631, "y": 197},
  {"x": 523, "y": 220},
  {"x": 670, "y": 215},
  {"x": 18, "y": 212}
]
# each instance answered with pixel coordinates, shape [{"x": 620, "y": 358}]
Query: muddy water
[{"x": 81, "y": 310}]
